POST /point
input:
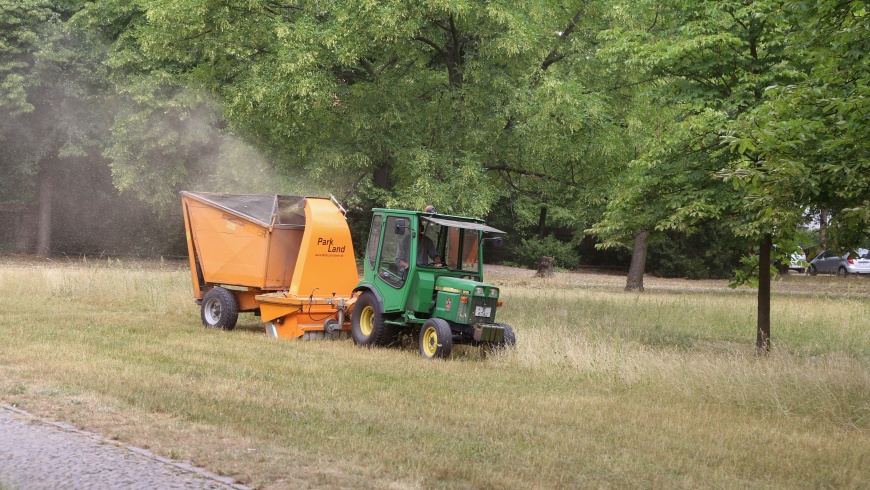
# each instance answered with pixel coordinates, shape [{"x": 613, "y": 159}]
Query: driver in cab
[{"x": 427, "y": 252}]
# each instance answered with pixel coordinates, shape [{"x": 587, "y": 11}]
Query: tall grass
[{"x": 604, "y": 389}]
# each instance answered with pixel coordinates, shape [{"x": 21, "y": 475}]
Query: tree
[
  {"x": 403, "y": 104},
  {"x": 712, "y": 61},
  {"x": 51, "y": 80},
  {"x": 807, "y": 143}
]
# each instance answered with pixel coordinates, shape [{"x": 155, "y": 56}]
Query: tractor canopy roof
[
  {"x": 445, "y": 219},
  {"x": 468, "y": 225}
]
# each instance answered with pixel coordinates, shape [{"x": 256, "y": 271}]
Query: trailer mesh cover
[{"x": 260, "y": 208}]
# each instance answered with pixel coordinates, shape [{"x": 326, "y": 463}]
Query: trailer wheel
[
  {"x": 219, "y": 309},
  {"x": 436, "y": 339},
  {"x": 367, "y": 321},
  {"x": 510, "y": 341}
]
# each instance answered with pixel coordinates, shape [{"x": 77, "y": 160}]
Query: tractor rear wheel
[
  {"x": 367, "y": 321},
  {"x": 436, "y": 339},
  {"x": 219, "y": 309}
]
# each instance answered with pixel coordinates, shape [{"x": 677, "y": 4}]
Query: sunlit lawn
[{"x": 605, "y": 388}]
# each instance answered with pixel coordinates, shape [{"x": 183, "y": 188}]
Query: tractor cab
[{"x": 426, "y": 269}]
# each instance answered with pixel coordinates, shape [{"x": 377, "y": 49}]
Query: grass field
[{"x": 605, "y": 389}]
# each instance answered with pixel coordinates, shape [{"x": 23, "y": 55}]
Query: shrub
[{"x": 530, "y": 250}]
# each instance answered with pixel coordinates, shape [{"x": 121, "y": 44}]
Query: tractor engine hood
[
  {"x": 455, "y": 285},
  {"x": 465, "y": 287}
]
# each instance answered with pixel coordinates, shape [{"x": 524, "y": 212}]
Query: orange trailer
[{"x": 287, "y": 258}]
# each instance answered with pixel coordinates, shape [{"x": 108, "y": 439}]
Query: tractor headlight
[
  {"x": 478, "y": 291},
  {"x": 493, "y": 293}
]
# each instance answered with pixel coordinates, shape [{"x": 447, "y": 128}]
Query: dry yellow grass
[{"x": 605, "y": 389}]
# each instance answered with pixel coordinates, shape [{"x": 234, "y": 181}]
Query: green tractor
[{"x": 425, "y": 271}]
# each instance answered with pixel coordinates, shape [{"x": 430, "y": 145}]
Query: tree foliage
[
  {"x": 807, "y": 143},
  {"x": 406, "y": 104},
  {"x": 709, "y": 63}
]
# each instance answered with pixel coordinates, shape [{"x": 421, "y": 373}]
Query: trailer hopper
[{"x": 288, "y": 258}]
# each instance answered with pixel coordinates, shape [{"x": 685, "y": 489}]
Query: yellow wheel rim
[
  {"x": 430, "y": 341},
  {"x": 367, "y": 321}
]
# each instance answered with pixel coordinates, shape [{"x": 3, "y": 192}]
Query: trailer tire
[
  {"x": 367, "y": 321},
  {"x": 436, "y": 339},
  {"x": 219, "y": 309}
]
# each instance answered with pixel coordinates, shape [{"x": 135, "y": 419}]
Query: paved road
[{"x": 37, "y": 454}]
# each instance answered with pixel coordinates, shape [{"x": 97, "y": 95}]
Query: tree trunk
[
  {"x": 43, "y": 234},
  {"x": 638, "y": 262},
  {"x": 381, "y": 176},
  {"x": 823, "y": 229},
  {"x": 762, "y": 341},
  {"x": 25, "y": 229},
  {"x": 542, "y": 221},
  {"x": 545, "y": 267}
]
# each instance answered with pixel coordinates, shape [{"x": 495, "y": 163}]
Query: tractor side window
[
  {"x": 470, "y": 251},
  {"x": 374, "y": 240},
  {"x": 395, "y": 252},
  {"x": 428, "y": 244},
  {"x": 452, "y": 255}
]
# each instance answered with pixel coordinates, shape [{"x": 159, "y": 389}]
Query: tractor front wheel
[
  {"x": 510, "y": 341},
  {"x": 367, "y": 321},
  {"x": 219, "y": 309},
  {"x": 436, "y": 339}
]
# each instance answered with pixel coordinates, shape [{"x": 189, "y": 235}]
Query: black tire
[
  {"x": 219, "y": 309},
  {"x": 436, "y": 339},
  {"x": 842, "y": 272},
  {"x": 812, "y": 270},
  {"x": 510, "y": 341},
  {"x": 367, "y": 321},
  {"x": 510, "y": 338}
]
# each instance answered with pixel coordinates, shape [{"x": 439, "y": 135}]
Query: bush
[
  {"x": 710, "y": 252},
  {"x": 530, "y": 250}
]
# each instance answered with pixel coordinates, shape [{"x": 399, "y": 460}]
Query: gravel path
[{"x": 37, "y": 454}]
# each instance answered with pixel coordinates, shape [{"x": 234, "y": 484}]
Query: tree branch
[
  {"x": 430, "y": 43},
  {"x": 504, "y": 168},
  {"x": 553, "y": 56}
]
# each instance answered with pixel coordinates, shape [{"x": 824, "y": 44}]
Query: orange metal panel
[
  {"x": 246, "y": 300},
  {"x": 191, "y": 251},
  {"x": 326, "y": 265},
  {"x": 231, "y": 251},
  {"x": 293, "y": 321},
  {"x": 283, "y": 254},
  {"x": 235, "y": 251}
]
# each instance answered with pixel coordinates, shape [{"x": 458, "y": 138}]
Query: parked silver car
[{"x": 832, "y": 263}]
